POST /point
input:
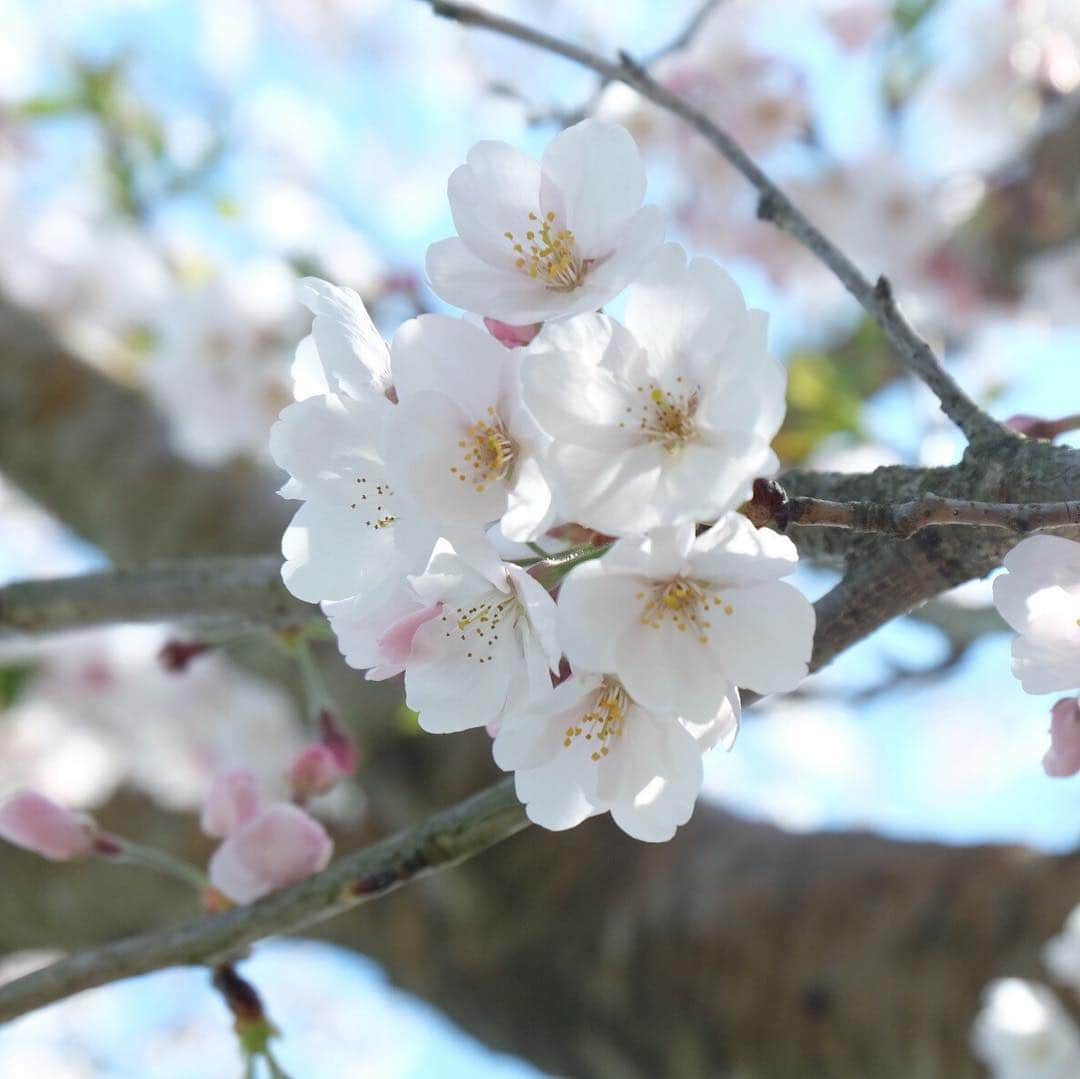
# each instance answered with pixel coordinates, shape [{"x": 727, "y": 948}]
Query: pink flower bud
[
  {"x": 314, "y": 770},
  {"x": 511, "y": 336},
  {"x": 1063, "y": 757},
  {"x": 175, "y": 656},
  {"x": 36, "y": 823},
  {"x": 1031, "y": 426},
  {"x": 339, "y": 742},
  {"x": 276, "y": 848},
  {"x": 233, "y": 800}
]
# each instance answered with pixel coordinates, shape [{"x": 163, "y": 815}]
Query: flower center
[
  {"x": 489, "y": 453},
  {"x": 666, "y": 416},
  {"x": 603, "y": 722},
  {"x": 549, "y": 255},
  {"x": 375, "y": 500},
  {"x": 684, "y": 603},
  {"x": 478, "y": 625}
]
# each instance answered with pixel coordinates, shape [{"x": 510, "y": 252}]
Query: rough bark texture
[{"x": 736, "y": 949}]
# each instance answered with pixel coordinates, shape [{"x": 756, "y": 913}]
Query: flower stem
[{"x": 152, "y": 858}]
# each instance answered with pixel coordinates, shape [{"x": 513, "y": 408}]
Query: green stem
[{"x": 152, "y": 858}]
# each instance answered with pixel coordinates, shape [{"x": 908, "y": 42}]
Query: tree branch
[
  {"x": 235, "y": 591},
  {"x": 774, "y": 206},
  {"x": 772, "y": 506},
  {"x": 448, "y": 838},
  {"x": 845, "y": 614}
]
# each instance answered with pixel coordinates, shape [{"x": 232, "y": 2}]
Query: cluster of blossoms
[
  {"x": 1039, "y": 597},
  {"x": 265, "y": 845},
  {"x": 531, "y": 510}
]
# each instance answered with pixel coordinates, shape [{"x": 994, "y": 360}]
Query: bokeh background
[{"x": 168, "y": 170}]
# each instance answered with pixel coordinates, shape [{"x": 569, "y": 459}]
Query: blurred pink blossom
[
  {"x": 314, "y": 770},
  {"x": 277, "y": 847},
  {"x": 233, "y": 800},
  {"x": 36, "y": 823}
]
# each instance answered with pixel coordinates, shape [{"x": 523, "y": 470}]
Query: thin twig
[
  {"x": 236, "y": 591},
  {"x": 447, "y": 838},
  {"x": 774, "y": 206},
  {"x": 771, "y": 506}
]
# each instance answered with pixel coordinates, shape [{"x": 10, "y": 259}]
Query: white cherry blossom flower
[
  {"x": 548, "y": 239},
  {"x": 682, "y": 621},
  {"x": 667, "y": 419},
  {"x": 1061, "y": 954},
  {"x": 491, "y": 648},
  {"x": 588, "y": 747},
  {"x": 1039, "y": 597},
  {"x": 355, "y": 535},
  {"x": 1023, "y": 1032},
  {"x": 460, "y": 442}
]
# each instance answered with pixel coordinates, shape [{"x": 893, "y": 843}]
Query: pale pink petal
[
  {"x": 278, "y": 847},
  {"x": 314, "y": 770},
  {"x": 1063, "y": 757},
  {"x": 761, "y": 637},
  {"x": 36, "y": 823},
  {"x": 395, "y": 644},
  {"x": 234, "y": 798},
  {"x": 594, "y": 181},
  {"x": 512, "y": 336}
]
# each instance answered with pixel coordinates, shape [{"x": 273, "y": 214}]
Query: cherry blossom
[
  {"x": 279, "y": 846},
  {"x": 1061, "y": 954},
  {"x": 460, "y": 443},
  {"x": 36, "y": 823},
  {"x": 1039, "y": 597},
  {"x": 491, "y": 648},
  {"x": 667, "y": 419},
  {"x": 548, "y": 239},
  {"x": 588, "y": 747},
  {"x": 314, "y": 770},
  {"x": 681, "y": 621},
  {"x": 1023, "y": 1032}
]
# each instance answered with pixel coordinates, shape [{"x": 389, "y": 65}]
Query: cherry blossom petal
[
  {"x": 454, "y": 683},
  {"x": 427, "y": 446},
  {"x": 233, "y": 799},
  {"x": 354, "y": 356},
  {"x": 36, "y": 823},
  {"x": 594, "y": 180},
  {"x": 765, "y": 643},
  {"x": 333, "y": 552},
  {"x": 449, "y": 356},
  {"x": 595, "y": 608},
  {"x": 330, "y": 446},
  {"x": 675, "y": 308},
  {"x": 669, "y": 671},
  {"x": 278, "y": 847},
  {"x": 549, "y": 800},
  {"x": 491, "y": 194},
  {"x": 661, "y": 780}
]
